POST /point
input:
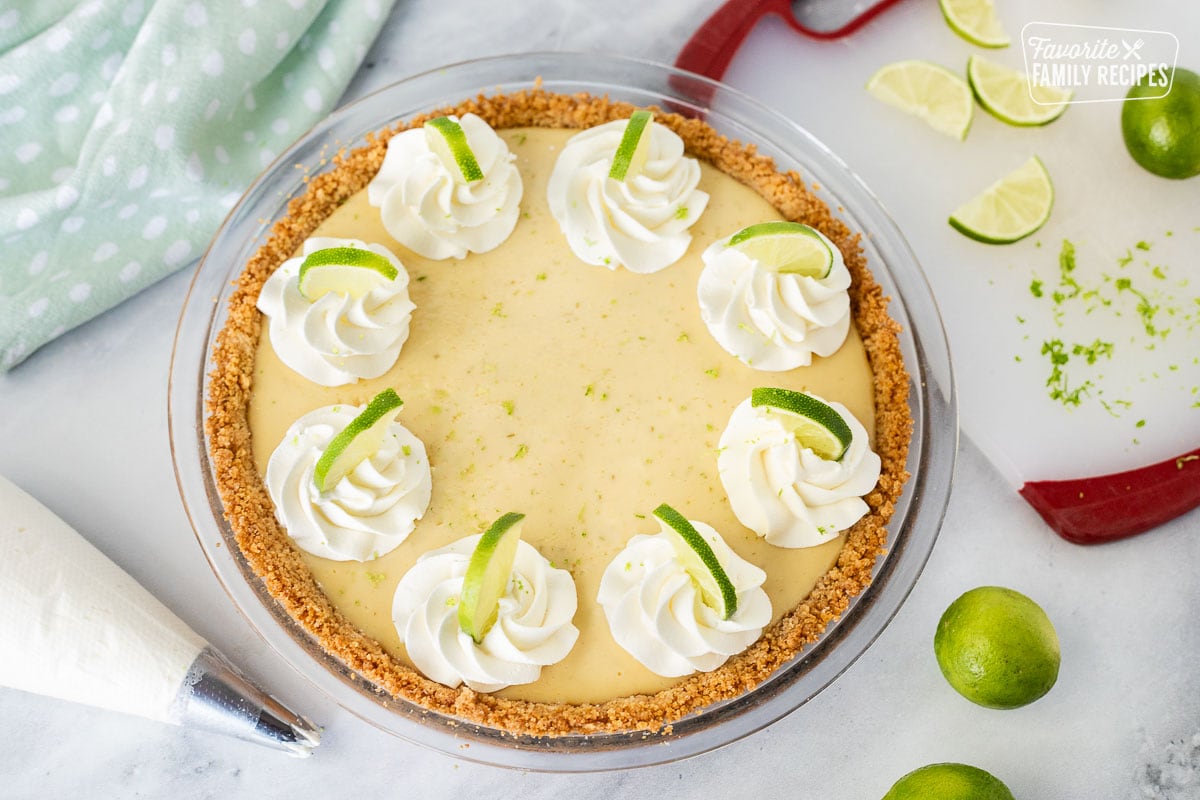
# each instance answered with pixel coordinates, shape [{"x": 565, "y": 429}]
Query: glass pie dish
[{"x": 912, "y": 530}]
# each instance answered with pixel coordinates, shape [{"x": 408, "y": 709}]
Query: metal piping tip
[{"x": 218, "y": 698}]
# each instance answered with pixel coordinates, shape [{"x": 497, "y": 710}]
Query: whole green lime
[
  {"x": 997, "y": 648},
  {"x": 949, "y": 782},
  {"x": 1163, "y": 133}
]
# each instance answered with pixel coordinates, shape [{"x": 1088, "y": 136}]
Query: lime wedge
[
  {"x": 351, "y": 271},
  {"x": 1008, "y": 95},
  {"x": 357, "y": 441},
  {"x": 975, "y": 21},
  {"x": 788, "y": 247},
  {"x": 487, "y": 575},
  {"x": 814, "y": 424},
  {"x": 448, "y": 140},
  {"x": 1011, "y": 208},
  {"x": 700, "y": 562},
  {"x": 631, "y": 152},
  {"x": 928, "y": 91}
]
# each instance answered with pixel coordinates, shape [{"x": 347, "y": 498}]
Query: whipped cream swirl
[
  {"x": 771, "y": 320},
  {"x": 656, "y": 612},
  {"x": 785, "y": 492},
  {"x": 429, "y": 207},
  {"x": 641, "y": 222},
  {"x": 370, "y": 511},
  {"x": 337, "y": 339},
  {"x": 533, "y": 626}
]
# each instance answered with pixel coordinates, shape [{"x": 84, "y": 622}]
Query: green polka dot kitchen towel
[{"x": 128, "y": 128}]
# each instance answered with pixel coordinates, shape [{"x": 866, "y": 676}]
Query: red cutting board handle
[
  {"x": 1111, "y": 507},
  {"x": 712, "y": 47}
]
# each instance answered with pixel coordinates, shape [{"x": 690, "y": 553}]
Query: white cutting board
[{"x": 1105, "y": 204}]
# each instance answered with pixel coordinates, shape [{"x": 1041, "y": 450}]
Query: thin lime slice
[
  {"x": 975, "y": 21},
  {"x": 815, "y": 424},
  {"x": 446, "y": 138},
  {"x": 351, "y": 271},
  {"x": 631, "y": 152},
  {"x": 488, "y": 572},
  {"x": 928, "y": 91},
  {"x": 1008, "y": 95},
  {"x": 788, "y": 247},
  {"x": 700, "y": 562},
  {"x": 1011, "y": 208},
  {"x": 357, "y": 441}
]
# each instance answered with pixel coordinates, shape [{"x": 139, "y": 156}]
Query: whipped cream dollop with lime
[
  {"x": 783, "y": 489},
  {"x": 532, "y": 629},
  {"x": 346, "y": 318},
  {"x": 448, "y": 188},
  {"x": 771, "y": 307},
  {"x": 640, "y": 220},
  {"x": 370, "y": 510},
  {"x": 657, "y": 611}
]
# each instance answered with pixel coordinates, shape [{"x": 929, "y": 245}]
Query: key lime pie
[{"x": 559, "y": 416}]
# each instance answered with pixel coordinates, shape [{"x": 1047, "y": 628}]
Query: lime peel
[
  {"x": 786, "y": 247},
  {"x": 353, "y": 271},
  {"x": 450, "y": 134},
  {"x": 816, "y": 425},
  {"x": 487, "y": 576},
  {"x": 359, "y": 440},
  {"x": 1010, "y": 209},
  {"x": 632, "y": 150},
  {"x": 700, "y": 562}
]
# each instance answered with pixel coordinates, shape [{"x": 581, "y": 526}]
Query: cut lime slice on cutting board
[
  {"x": 1011, "y": 208},
  {"x": 1008, "y": 95},
  {"x": 976, "y": 21},
  {"x": 929, "y": 92}
]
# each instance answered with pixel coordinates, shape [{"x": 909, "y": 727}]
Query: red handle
[
  {"x": 1111, "y": 507},
  {"x": 712, "y": 47}
]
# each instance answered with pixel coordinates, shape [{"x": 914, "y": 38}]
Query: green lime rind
[
  {"x": 349, "y": 270},
  {"x": 1032, "y": 115},
  {"x": 997, "y": 648},
  {"x": 997, "y": 40},
  {"x": 821, "y": 428},
  {"x": 786, "y": 247},
  {"x": 357, "y": 441},
  {"x": 701, "y": 563},
  {"x": 624, "y": 157},
  {"x": 487, "y": 575},
  {"x": 348, "y": 257},
  {"x": 949, "y": 781},
  {"x": 460, "y": 149},
  {"x": 992, "y": 216}
]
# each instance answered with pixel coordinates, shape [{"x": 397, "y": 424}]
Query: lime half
[
  {"x": 1008, "y": 95},
  {"x": 700, "y": 562},
  {"x": 975, "y": 21},
  {"x": 787, "y": 247},
  {"x": 928, "y": 91},
  {"x": 1011, "y": 208},
  {"x": 446, "y": 138},
  {"x": 352, "y": 271},
  {"x": 487, "y": 575},
  {"x": 632, "y": 151},
  {"x": 358, "y": 440},
  {"x": 813, "y": 422}
]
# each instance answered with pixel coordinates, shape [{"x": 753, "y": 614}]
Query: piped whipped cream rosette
[
  {"x": 338, "y": 312},
  {"x": 774, "y": 295},
  {"x": 625, "y": 194},
  {"x": 487, "y": 610},
  {"x": 349, "y": 483},
  {"x": 682, "y": 601},
  {"x": 796, "y": 467},
  {"x": 448, "y": 188}
]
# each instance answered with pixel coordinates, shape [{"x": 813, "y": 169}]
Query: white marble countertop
[{"x": 84, "y": 431}]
